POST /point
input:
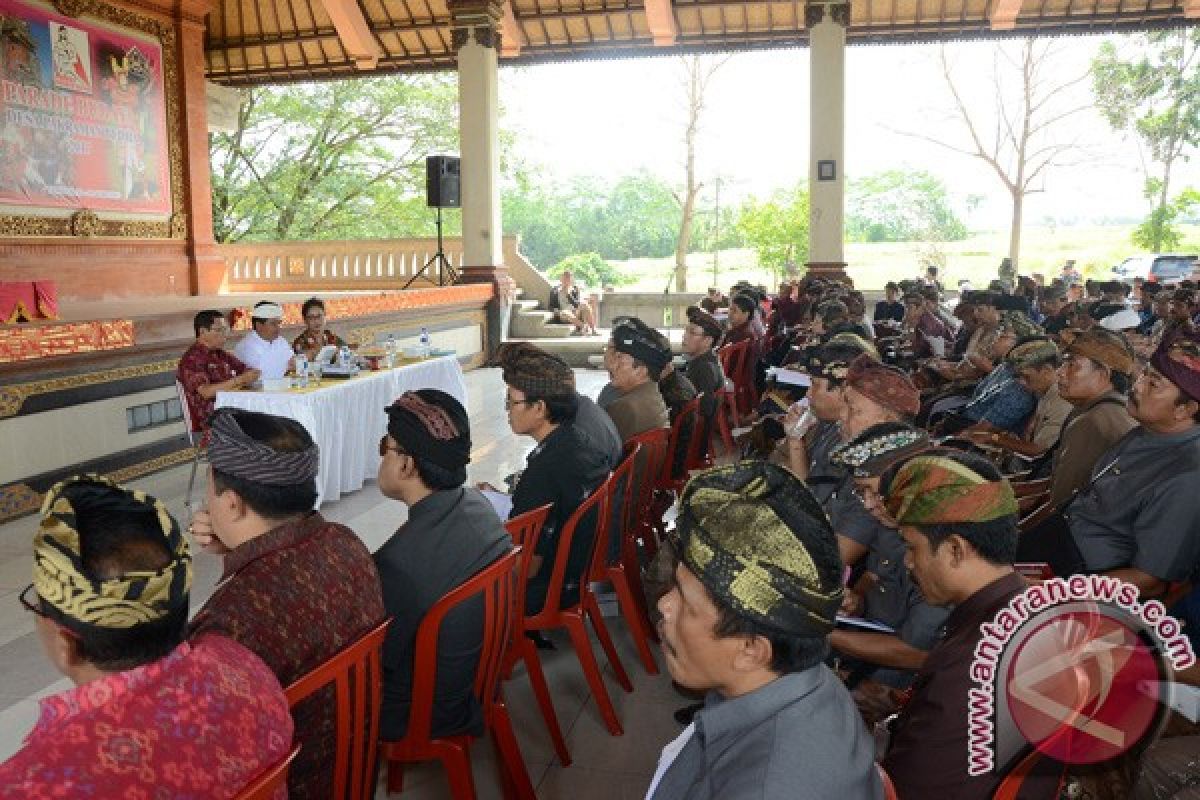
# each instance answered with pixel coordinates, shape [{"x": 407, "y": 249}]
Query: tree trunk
[{"x": 1014, "y": 233}]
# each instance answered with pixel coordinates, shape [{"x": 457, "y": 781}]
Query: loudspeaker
[{"x": 441, "y": 182}]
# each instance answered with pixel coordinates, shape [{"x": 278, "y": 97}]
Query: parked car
[{"x": 1160, "y": 267}]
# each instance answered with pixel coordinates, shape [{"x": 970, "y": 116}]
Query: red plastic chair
[
  {"x": 738, "y": 367},
  {"x": 726, "y": 419},
  {"x": 695, "y": 454},
  {"x": 358, "y": 685},
  {"x": 651, "y": 463},
  {"x": 497, "y": 584},
  {"x": 625, "y": 579},
  {"x": 1010, "y": 787},
  {"x": 271, "y": 783},
  {"x": 554, "y": 615},
  {"x": 525, "y": 530}
]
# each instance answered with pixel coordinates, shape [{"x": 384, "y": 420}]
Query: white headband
[{"x": 267, "y": 311}]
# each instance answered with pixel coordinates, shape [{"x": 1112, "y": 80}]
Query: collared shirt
[
  {"x": 595, "y": 423},
  {"x": 638, "y": 410},
  {"x": 928, "y": 754},
  {"x": 309, "y": 342},
  {"x": 704, "y": 371},
  {"x": 449, "y": 536},
  {"x": 799, "y": 737},
  {"x": 824, "y": 477},
  {"x": 201, "y": 366},
  {"x": 1140, "y": 508},
  {"x": 1046, "y": 425},
  {"x": 562, "y": 470},
  {"x": 885, "y": 311},
  {"x": 1088, "y": 432},
  {"x": 998, "y": 399},
  {"x": 270, "y": 357},
  {"x": 201, "y": 722},
  {"x": 296, "y": 596}
]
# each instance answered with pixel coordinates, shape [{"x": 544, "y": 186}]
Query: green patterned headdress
[
  {"x": 129, "y": 600},
  {"x": 937, "y": 490},
  {"x": 757, "y": 539}
]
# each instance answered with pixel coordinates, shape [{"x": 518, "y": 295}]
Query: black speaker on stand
[{"x": 442, "y": 185}]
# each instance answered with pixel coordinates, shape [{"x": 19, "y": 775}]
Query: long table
[{"x": 346, "y": 418}]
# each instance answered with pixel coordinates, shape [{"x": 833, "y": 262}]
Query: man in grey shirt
[
  {"x": 747, "y": 620},
  {"x": 1136, "y": 519}
]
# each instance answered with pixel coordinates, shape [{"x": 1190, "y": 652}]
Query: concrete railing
[
  {"x": 368, "y": 264},
  {"x": 650, "y": 307}
]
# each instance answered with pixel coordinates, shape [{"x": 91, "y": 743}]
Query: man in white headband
[{"x": 263, "y": 348}]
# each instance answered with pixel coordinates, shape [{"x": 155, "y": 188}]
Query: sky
[{"x": 611, "y": 118}]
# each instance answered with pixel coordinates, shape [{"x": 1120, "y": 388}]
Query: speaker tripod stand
[{"x": 446, "y": 273}]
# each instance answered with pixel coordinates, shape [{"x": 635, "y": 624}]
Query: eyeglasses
[
  {"x": 29, "y": 598},
  {"x": 314, "y": 317},
  {"x": 509, "y": 402},
  {"x": 384, "y": 447}
]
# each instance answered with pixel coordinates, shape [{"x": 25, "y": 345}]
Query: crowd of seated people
[{"x": 824, "y": 594}]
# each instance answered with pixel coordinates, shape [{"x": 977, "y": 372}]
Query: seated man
[
  {"x": 700, "y": 338},
  {"x": 207, "y": 368},
  {"x": 743, "y": 316},
  {"x": 263, "y": 348},
  {"x": 978, "y": 359},
  {"x": 1136, "y": 519},
  {"x": 295, "y": 589},
  {"x": 570, "y": 308},
  {"x": 592, "y": 420},
  {"x": 999, "y": 402},
  {"x": 958, "y": 518},
  {"x": 635, "y": 363},
  {"x": 714, "y": 300},
  {"x": 890, "y": 309},
  {"x": 315, "y": 335},
  {"x": 563, "y": 469},
  {"x": 452, "y": 533},
  {"x": 151, "y": 715},
  {"x": 886, "y": 592},
  {"x": 747, "y": 620}
]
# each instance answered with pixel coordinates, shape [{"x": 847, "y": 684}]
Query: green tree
[
  {"x": 901, "y": 206},
  {"x": 777, "y": 228},
  {"x": 1156, "y": 95},
  {"x": 333, "y": 160},
  {"x": 590, "y": 270}
]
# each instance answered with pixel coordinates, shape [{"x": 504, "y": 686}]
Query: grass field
[{"x": 1043, "y": 249}]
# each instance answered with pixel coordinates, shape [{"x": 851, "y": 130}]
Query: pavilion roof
[{"x": 269, "y": 41}]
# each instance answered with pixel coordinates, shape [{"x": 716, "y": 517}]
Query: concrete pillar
[
  {"x": 476, "y": 38},
  {"x": 827, "y": 25}
]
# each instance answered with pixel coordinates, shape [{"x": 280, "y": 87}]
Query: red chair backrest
[
  {"x": 268, "y": 783},
  {"x": 497, "y": 584},
  {"x": 593, "y": 511},
  {"x": 731, "y": 357},
  {"x": 685, "y": 447},
  {"x": 358, "y": 685},
  {"x": 651, "y": 462},
  {"x": 619, "y": 490},
  {"x": 525, "y": 530}
]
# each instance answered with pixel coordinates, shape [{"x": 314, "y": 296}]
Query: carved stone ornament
[
  {"x": 74, "y": 8},
  {"x": 85, "y": 223},
  {"x": 814, "y": 13},
  {"x": 484, "y": 35}
]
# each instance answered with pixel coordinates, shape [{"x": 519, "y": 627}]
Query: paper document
[
  {"x": 500, "y": 501},
  {"x": 864, "y": 624}
]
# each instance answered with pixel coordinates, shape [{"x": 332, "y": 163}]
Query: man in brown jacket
[{"x": 635, "y": 362}]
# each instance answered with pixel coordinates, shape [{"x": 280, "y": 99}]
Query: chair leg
[
  {"x": 456, "y": 760},
  {"x": 187, "y": 498},
  {"x": 635, "y": 617},
  {"x": 537, "y": 679},
  {"x": 591, "y": 671},
  {"x": 395, "y": 777},
  {"x": 633, "y": 574},
  {"x": 514, "y": 774},
  {"x": 592, "y": 608}
]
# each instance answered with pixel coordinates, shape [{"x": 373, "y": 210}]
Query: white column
[
  {"x": 479, "y": 131},
  {"x": 827, "y": 122}
]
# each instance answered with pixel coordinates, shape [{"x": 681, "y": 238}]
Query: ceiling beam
[
  {"x": 354, "y": 32},
  {"x": 1004, "y": 13},
  {"x": 510, "y": 33},
  {"x": 660, "y": 19},
  {"x": 1191, "y": 9}
]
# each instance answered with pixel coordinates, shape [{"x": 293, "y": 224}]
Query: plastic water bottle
[
  {"x": 390, "y": 348},
  {"x": 301, "y": 370},
  {"x": 426, "y": 345},
  {"x": 344, "y": 358}
]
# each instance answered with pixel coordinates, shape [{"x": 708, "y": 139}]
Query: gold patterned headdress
[
  {"x": 123, "y": 602},
  {"x": 757, "y": 539}
]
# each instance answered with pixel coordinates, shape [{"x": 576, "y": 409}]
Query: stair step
[{"x": 526, "y": 305}]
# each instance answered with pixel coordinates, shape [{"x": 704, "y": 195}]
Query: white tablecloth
[{"x": 346, "y": 418}]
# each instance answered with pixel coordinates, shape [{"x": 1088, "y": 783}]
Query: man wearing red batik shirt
[
  {"x": 207, "y": 368},
  {"x": 295, "y": 589},
  {"x": 151, "y": 715}
]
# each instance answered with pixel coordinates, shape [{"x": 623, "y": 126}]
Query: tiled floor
[{"x": 604, "y": 767}]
